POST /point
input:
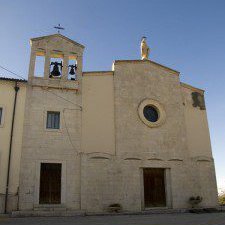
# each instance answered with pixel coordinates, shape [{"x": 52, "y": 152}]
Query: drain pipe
[{"x": 16, "y": 88}]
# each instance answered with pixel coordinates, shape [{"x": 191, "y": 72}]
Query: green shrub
[{"x": 222, "y": 199}]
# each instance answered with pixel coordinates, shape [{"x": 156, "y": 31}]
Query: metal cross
[{"x": 58, "y": 28}]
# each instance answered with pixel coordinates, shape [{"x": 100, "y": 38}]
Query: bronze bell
[
  {"x": 72, "y": 70},
  {"x": 55, "y": 71}
]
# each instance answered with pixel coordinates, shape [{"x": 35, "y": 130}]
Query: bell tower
[
  {"x": 53, "y": 124},
  {"x": 55, "y": 61}
]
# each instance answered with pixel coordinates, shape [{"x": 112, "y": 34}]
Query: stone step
[
  {"x": 161, "y": 210},
  {"x": 144, "y": 212},
  {"x": 49, "y": 209},
  {"x": 56, "y": 212},
  {"x": 46, "y": 211}
]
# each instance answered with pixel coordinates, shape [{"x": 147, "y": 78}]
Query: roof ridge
[
  {"x": 59, "y": 35},
  {"x": 12, "y": 79},
  {"x": 145, "y": 61}
]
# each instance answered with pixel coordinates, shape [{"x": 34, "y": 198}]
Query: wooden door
[
  {"x": 50, "y": 183},
  {"x": 154, "y": 187}
]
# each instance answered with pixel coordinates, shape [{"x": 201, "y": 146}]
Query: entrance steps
[
  {"x": 47, "y": 212},
  {"x": 163, "y": 211},
  {"x": 61, "y": 211},
  {"x": 144, "y": 212}
]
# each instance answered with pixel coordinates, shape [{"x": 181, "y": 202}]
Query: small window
[
  {"x": 53, "y": 120},
  {"x": 1, "y": 111}
]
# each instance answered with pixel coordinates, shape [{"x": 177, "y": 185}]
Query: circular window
[{"x": 151, "y": 113}]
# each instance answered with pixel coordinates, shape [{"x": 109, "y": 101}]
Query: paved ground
[{"x": 154, "y": 219}]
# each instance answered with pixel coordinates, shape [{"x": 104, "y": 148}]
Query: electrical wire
[
  {"x": 12, "y": 72},
  {"x": 67, "y": 130},
  {"x": 45, "y": 89},
  {"x": 80, "y": 107}
]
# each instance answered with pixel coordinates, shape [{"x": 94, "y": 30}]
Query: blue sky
[{"x": 187, "y": 35}]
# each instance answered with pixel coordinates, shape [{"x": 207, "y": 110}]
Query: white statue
[{"x": 145, "y": 50}]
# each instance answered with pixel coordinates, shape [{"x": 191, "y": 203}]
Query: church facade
[{"x": 134, "y": 137}]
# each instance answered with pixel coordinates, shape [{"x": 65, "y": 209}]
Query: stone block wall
[{"x": 57, "y": 146}]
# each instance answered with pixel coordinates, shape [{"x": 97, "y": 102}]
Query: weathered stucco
[
  {"x": 7, "y": 94},
  {"x": 98, "y": 134}
]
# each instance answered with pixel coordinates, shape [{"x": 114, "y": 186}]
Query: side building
[
  {"x": 12, "y": 104},
  {"x": 134, "y": 136}
]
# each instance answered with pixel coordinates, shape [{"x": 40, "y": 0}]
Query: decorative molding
[
  {"x": 202, "y": 159},
  {"x": 99, "y": 155},
  {"x": 176, "y": 160},
  {"x": 155, "y": 159},
  {"x": 133, "y": 159}
]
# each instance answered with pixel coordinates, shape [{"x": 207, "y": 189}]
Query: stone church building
[{"x": 134, "y": 137}]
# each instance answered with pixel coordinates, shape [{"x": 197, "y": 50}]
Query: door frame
[
  {"x": 168, "y": 188},
  {"x": 37, "y": 182}
]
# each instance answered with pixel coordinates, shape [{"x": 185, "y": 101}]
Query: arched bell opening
[
  {"x": 56, "y": 66},
  {"x": 39, "y": 64},
  {"x": 55, "y": 57},
  {"x": 72, "y": 68}
]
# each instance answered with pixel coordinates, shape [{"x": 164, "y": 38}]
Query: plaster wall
[
  {"x": 7, "y": 94},
  {"x": 98, "y": 134},
  {"x": 199, "y": 148},
  {"x": 197, "y": 126}
]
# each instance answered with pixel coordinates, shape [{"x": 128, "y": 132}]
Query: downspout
[{"x": 16, "y": 88}]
